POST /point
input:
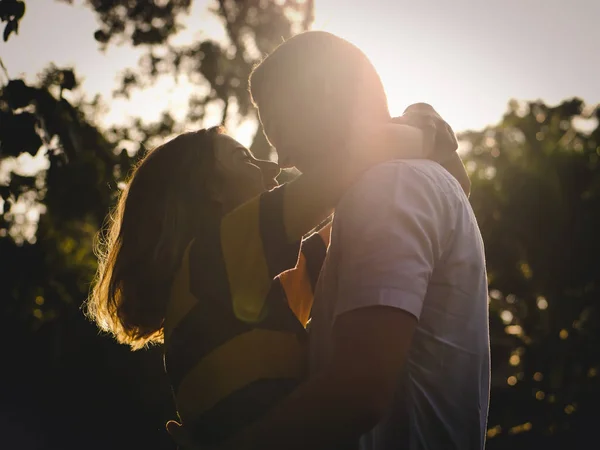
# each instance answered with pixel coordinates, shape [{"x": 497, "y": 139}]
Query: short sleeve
[{"x": 388, "y": 240}]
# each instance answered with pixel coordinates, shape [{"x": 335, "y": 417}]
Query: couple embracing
[{"x": 286, "y": 325}]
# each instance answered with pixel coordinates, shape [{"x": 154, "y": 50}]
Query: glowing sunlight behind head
[{"x": 469, "y": 59}]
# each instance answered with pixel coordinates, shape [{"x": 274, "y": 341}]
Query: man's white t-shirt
[{"x": 405, "y": 237}]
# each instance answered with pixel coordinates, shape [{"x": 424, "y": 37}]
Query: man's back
[{"x": 405, "y": 237}]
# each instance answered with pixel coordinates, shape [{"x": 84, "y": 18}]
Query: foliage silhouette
[{"x": 536, "y": 193}]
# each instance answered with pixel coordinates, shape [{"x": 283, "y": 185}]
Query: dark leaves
[
  {"x": 253, "y": 28},
  {"x": 101, "y": 36},
  {"x": 67, "y": 80},
  {"x": 11, "y": 12},
  {"x": 537, "y": 197},
  {"x": 143, "y": 22},
  {"x": 17, "y": 94},
  {"x": 18, "y": 134},
  {"x": 11, "y": 26}
]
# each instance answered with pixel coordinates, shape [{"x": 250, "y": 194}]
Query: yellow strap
[
  {"x": 244, "y": 256},
  {"x": 249, "y": 357}
]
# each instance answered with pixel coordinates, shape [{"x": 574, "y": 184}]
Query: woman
[{"x": 205, "y": 254}]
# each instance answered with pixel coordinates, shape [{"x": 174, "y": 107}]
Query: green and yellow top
[{"x": 235, "y": 338}]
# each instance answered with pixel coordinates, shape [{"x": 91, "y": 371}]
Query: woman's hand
[{"x": 440, "y": 143}]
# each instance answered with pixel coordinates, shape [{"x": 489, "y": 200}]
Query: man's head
[{"x": 311, "y": 91}]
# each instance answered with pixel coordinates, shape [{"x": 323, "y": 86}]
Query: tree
[
  {"x": 253, "y": 28},
  {"x": 536, "y": 194}
]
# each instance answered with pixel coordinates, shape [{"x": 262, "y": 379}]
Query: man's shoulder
[
  {"x": 400, "y": 183},
  {"x": 404, "y": 172}
]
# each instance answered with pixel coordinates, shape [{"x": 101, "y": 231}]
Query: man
[{"x": 399, "y": 337}]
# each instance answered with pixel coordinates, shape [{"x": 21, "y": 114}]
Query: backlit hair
[{"x": 167, "y": 197}]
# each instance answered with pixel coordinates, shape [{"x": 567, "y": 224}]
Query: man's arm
[
  {"x": 345, "y": 401},
  {"x": 349, "y": 398},
  {"x": 388, "y": 247}
]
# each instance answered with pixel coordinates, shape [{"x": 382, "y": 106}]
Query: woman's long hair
[{"x": 166, "y": 199}]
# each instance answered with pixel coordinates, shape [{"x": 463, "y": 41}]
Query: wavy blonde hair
[{"x": 166, "y": 199}]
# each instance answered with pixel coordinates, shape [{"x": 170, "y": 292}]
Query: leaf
[
  {"x": 11, "y": 10},
  {"x": 11, "y": 26},
  {"x": 101, "y": 36},
  {"x": 19, "y": 11},
  {"x": 4, "y": 192},
  {"x": 18, "y": 135},
  {"x": 17, "y": 94},
  {"x": 67, "y": 80}
]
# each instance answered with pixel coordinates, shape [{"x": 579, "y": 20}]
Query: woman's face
[{"x": 243, "y": 176}]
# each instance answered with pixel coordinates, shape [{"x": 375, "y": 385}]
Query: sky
[{"x": 467, "y": 58}]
